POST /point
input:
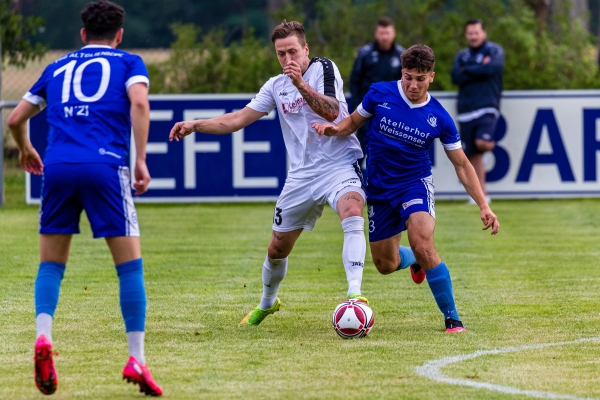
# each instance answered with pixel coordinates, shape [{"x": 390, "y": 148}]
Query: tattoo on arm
[
  {"x": 352, "y": 197},
  {"x": 278, "y": 237},
  {"x": 327, "y": 107}
]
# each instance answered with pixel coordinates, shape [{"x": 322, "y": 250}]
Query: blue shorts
[
  {"x": 482, "y": 128},
  {"x": 102, "y": 190},
  {"x": 388, "y": 218}
]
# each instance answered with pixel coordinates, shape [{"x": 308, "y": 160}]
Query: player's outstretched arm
[
  {"x": 140, "y": 123},
  {"x": 226, "y": 123},
  {"x": 345, "y": 127},
  {"x": 17, "y": 123},
  {"x": 468, "y": 177},
  {"x": 325, "y": 106}
]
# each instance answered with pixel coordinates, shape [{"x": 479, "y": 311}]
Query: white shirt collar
[
  {"x": 408, "y": 102},
  {"x": 97, "y": 46}
]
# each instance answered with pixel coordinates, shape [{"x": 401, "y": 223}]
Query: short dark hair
[
  {"x": 475, "y": 21},
  {"x": 102, "y": 19},
  {"x": 419, "y": 57},
  {"x": 287, "y": 29},
  {"x": 385, "y": 21}
]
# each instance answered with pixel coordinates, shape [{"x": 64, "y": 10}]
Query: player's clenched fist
[
  {"x": 326, "y": 129},
  {"x": 294, "y": 72},
  {"x": 182, "y": 129}
]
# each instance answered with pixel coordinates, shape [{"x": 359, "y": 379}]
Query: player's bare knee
[
  {"x": 423, "y": 250},
  {"x": 277, "y": 251},
  {"x": 485, "y": 145},
  {"x": 384, "y": 266},
  {"x": 354, "y": 211}
]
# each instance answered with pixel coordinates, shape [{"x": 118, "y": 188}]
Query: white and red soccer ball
[{"x": 352, "y": 318}]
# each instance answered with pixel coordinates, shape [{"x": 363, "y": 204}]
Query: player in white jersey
[{"x": 323, "y": 169}]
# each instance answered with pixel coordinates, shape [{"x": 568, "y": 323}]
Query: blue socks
[
  {"x": 441, "y": 287},
  {"x": 132, "y": 294},
  {"x": 131, "y": 284},
  {"x": 47, "y": 287},
  {"x": 407, "y": 257}
]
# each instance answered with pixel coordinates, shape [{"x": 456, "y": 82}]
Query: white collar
[
  {"x": 97, "y": 46},
  {"x": 408, "y": 102}
]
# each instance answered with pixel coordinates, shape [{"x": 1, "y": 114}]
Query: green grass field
[{"x": 537, "y": 282}]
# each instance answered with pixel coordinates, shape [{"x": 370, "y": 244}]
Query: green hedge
[{"x": 560, "y": 56}]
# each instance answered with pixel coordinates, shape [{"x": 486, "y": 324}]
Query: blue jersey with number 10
[
  {"x": 398, "y": 136},
  {"x": 88, "y": 107}
]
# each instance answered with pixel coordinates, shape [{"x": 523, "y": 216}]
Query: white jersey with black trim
[{"x": 310, "y": 155}]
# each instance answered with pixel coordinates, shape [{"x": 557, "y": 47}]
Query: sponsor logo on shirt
[
  {"x": 351, "y": 182},
  {"x": 412, "y": 202},
  {"x": 283, "y": 93},
  {"x": 432, "y": 120},
  {"x": 384, "y": 105},
  {"x": 294, "y": 106},
  {"x": 401, "y": 131}
]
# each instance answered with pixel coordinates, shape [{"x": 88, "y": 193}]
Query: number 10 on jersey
[{"x": 73, "y": 77}]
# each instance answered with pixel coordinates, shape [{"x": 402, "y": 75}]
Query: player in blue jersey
[
  {"x": 94, "y": 97},
  {"x": 404, "y": 120}
]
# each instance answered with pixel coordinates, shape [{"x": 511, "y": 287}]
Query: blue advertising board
[
  {"x": 248, "y": 165},
  {"x": 548, "y": 144}
]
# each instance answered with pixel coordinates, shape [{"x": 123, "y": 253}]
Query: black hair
[
  {"x": 385, "y": 21},
  {"x": 475, "y": 21},
  {"x": 419, "y": 57},
  {"x": 102, "y": 19}
]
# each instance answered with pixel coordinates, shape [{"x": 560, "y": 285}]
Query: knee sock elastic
[
  {"x": 407, "y": 257},
  {"x": 132, "y": 296},
  {"x": 46, "y": 293},
  {"x": 273, "y": 272},
  {"x": 353, "y": 253},
  {"x": 441, "y": 287}
]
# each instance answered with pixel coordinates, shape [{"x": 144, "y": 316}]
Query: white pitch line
[{"x": 432, "y": 370}]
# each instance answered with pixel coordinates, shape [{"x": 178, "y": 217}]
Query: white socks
[
  {"x": 43, "y": 323},
  {"x": 135, "y": 340},
  {"x": 353, "y": 254},
  {"x": 272, "y": 274}
]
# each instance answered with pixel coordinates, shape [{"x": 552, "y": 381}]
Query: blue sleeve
[
  {"x": 137, "y": 72},
  {"x": 37, "y": 95},
  {"x": 367, "y": 107},
  {"x": 450, "y": 137}
]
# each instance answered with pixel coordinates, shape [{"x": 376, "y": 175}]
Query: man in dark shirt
[
  {"x": 377, "y": 61},
  {"x": 478, "y": 73}
]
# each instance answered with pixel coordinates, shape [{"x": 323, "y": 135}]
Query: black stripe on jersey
[
  {"x": 359, "y": 174},
  {"x": 328, "y": 75}
]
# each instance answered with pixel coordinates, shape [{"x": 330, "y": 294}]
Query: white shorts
[{"x": 302, "y": 201}]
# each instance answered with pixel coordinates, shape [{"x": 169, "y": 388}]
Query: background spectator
[
  {"x": 376, "y": 62},
  {"x": 478, "y": 73}
]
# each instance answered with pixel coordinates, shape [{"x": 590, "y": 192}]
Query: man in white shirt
[{"x": 323, "y": 169}]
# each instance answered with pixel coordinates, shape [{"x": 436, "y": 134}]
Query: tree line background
[{"x": 224, "y": 47}]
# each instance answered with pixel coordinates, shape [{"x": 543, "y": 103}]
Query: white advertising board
[{"x": 548, "y": 146}]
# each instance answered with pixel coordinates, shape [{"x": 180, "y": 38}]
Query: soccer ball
[{"x": 352, "y": 318}]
